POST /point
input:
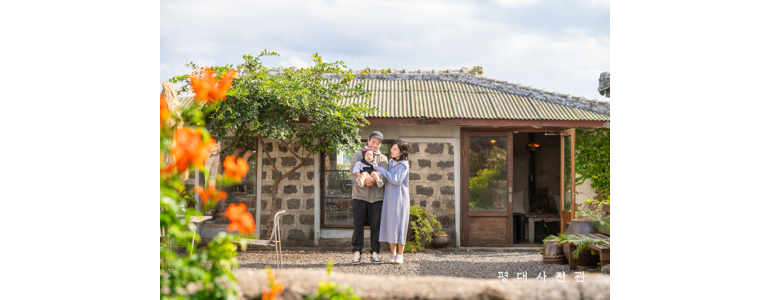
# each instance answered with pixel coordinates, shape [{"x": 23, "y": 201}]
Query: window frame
[{"x": 322, "y": 182}]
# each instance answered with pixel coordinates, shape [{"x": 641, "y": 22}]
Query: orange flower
[
  {"x": 235, "y": 169},
  {"x": 210, "y": 193},
  {"x": 275, "y": 287},
  {"x": 163, "y": 111},
  {"x": 240, "y": 219},
  {"x": 189, "y": 148},
  {"x": 208, "y": 88}
]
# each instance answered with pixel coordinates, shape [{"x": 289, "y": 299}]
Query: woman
[{"x": 395, "y": 206}]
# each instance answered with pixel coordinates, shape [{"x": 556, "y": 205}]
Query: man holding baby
[{"x": 367, "y": 196}]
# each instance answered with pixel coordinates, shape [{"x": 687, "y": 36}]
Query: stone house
[{"x": 487, "y": 158}]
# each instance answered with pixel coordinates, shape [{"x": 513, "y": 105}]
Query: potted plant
[
  {"x": 424, "y": 226},
  {"x": 440, "y": 240}
]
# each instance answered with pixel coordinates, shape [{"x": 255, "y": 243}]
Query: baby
[{"x": 366, "y": 168}]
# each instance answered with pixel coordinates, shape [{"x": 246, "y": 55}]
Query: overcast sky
[{"x": 559, "y": 46}]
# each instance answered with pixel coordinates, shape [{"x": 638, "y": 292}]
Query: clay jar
[
  {"x": 440, "y": 241},
  {"x": 553, "y": 253}
]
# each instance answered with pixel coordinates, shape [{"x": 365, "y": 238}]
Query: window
[
  {"x": 337, "y": 186},
  {"x": 243, "y": 192}
]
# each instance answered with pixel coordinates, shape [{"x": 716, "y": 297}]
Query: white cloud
[
  {"x": 294, "y": 62},
  {"x": 515, "y": 3},
  {"x": 511, "y": 44},
  {"x": 601, "y": 3}
]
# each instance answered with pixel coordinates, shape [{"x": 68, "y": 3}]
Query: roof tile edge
[{"x": 471, "y": 77}]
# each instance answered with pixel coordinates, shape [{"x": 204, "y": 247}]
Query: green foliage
[
  {"x": 600, "y": 222},
  {"x": 413, "y": 247},
  {"x": 209, "y": 267},
  {"x": 330, "y": 290},
  {"x": 592, "y": 158},
  {"x": 544, "y": 227},
  {"x": 487, "y": 165},
  {"x": 298, "y": 106},
  {"x": 423, "y": 226},
  {"x": 273, "y": 105},
  {"x": 580, "y": 242},
  {"x": 479, "y": 188}
]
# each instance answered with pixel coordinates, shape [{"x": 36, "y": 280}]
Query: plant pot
[
  {"x": 440, "y": 241},
  {"x": 581, "y": 227},
  {"x": 553, "y": 254},
  {"x": 585, "y": 258}
]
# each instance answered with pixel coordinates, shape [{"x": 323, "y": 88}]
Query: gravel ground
[{"x": 453, "y": 262}]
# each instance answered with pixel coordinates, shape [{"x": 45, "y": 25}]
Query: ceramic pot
[
  {"x": 553, "y": 254},
  {"x": 581, "y": 227},
  {"x": 440, "y": 241}
]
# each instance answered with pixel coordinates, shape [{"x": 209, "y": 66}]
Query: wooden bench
[{"x": 604, "y": 250}]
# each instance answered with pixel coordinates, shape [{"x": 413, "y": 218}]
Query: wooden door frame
[
  {"x": 565, "y": 215},
  {"x": 464, "y": 184}
]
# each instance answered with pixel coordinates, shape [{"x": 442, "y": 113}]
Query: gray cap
[{"x": 376, "y": 134}]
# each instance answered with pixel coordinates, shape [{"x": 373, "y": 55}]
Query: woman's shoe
[
  {"x": 400, "y": 259},
  {"x": 393, "y": 259}
]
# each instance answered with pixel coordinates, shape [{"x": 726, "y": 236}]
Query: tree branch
[
  {"x": 301, "y": 164},
  {"x": 290, "y": 150}
]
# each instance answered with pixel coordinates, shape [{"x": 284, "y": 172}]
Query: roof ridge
[{"x": 470, "y": 76}]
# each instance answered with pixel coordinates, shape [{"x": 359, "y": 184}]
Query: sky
[{"x": 560, "y": 46}]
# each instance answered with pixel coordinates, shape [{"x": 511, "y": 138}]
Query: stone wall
[
  {"x": 295, "y": 195},
  {"x": 432, "y": 182}
]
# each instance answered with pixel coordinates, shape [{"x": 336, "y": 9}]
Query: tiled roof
[
  {"x": 454, "y": 99},
  {"x": 463, "y": 94}
]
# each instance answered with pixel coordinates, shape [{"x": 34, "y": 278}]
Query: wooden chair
[{"x": 274, "y": 241}]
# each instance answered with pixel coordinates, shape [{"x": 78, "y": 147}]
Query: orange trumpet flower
[
  {"x": 275, "y": 288},
  {"x": 208, "y": 88},
  {"x": 189, "y": 148},
  {"x": 210, "y": 193},
  {"x": 164, "y": 113},
  {"x": 240, "y": 219},
  {"x": 235, "y": 169}
]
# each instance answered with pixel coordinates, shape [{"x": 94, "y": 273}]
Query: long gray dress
[{"x": 395, "y": 205}]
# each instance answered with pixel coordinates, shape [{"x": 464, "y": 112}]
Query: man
[{"x": 367, "y": 201}]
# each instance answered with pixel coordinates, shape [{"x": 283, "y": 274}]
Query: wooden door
[
  {"x": 567, "y": 177},
  {"x": 487, "y": 208}
]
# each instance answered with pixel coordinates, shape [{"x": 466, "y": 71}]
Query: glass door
[
  {"x": 567, "y": 177},
  {"x": 487, "y": 188}
]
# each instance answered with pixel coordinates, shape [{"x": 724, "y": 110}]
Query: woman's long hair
[{"x": 403, "y": 146}]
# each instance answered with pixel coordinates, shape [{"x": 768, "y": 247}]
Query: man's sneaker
[
  {"x": 356, "y": 258},
  {"x": 376, "y": 258},
  {"x": 359, "y": 182},
  {"x": 393, "y": 259},
  {"x": 400, "y": 259}
]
